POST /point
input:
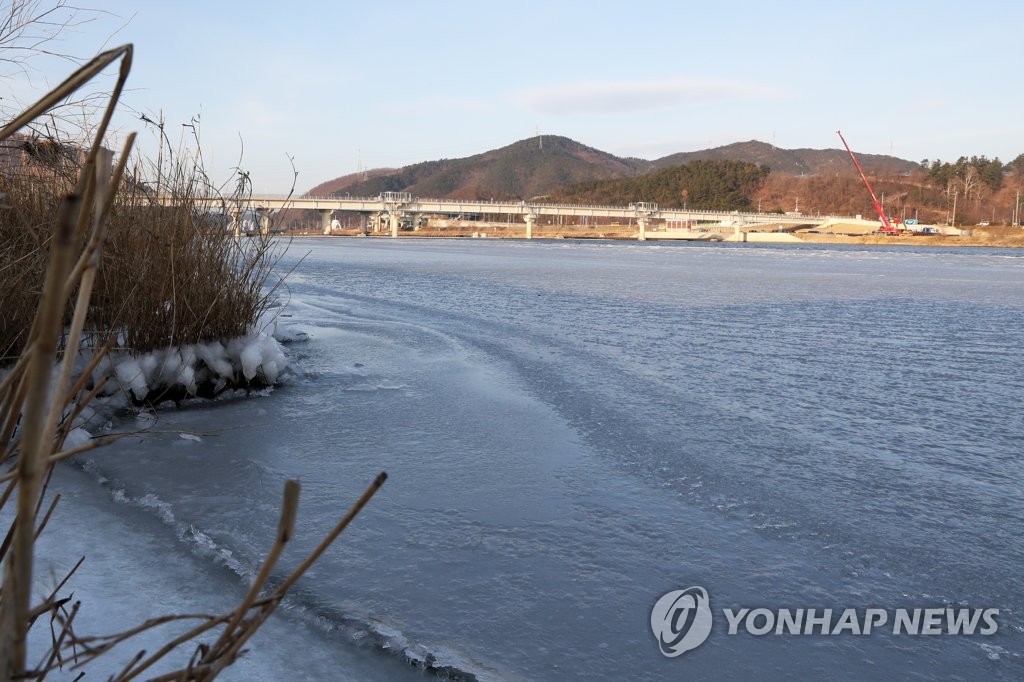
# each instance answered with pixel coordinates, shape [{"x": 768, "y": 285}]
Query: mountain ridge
[{"x": 540, "y": 165}]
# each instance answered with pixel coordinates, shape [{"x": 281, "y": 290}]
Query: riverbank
[{"x": 998, "y": 236}]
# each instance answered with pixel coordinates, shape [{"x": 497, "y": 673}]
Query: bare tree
[
  {"x": 970, "y": 181},
  {"x": 32, "y": 34},
  {"x": 29, "y": 28}
]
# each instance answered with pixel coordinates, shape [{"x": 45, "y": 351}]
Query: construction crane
[{"x": 887, "y": 227}]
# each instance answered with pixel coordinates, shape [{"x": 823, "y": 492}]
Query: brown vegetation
[
  {"x": 170, "y": 275},
  {"x": 54, "y": 228},
  {"x": 908, "y": 196}
]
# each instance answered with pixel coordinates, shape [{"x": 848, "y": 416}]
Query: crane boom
[{"x": 886, "y": 225}]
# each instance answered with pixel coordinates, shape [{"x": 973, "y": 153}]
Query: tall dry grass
[
  {"x": 174, "y": 274},
  {"x": 29, "y": 200},
  {"x": 170, "y": 274},
  {"x": 69, "y": 236}
]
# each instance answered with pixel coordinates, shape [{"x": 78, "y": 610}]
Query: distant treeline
[
  {"x": 710, "y": 185},
  {"x": 967, "y": 174}
]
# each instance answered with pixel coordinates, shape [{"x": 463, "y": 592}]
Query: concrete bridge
[{"x": 394, "y": 206}]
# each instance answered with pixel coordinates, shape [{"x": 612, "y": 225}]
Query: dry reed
[
  {"x": 170, "y": 275},
  {"x": 77, "y": 234}
]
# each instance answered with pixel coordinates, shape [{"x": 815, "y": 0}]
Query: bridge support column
[
  {"x": 236, "y": 223},
  {"x": 393, "y": 218},
  {"x": 530, "y": 220},
  {"x": 325, "y": 220},
  {"x": 264, "y": 223},
  {"x": 642, "y": 222}
]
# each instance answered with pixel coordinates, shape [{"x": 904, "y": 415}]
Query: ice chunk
[
  {"x": 104, "y": 369},
  {"x": 215, "y": 356},
  {"x": 76, "y": 438},
  {"x": 187, "y": 377},
  {"x": 273, "y": 360},
  {"x": 130, "y": 375},
  {"x": 250, "y": 357},
  {"x": 192, "y": 367},
  {"x": 260, "y": 355},
  {"x": 84, "y": 416},
  {"x": 170, "y": 367},
  {"x": 149, "y": 364}
]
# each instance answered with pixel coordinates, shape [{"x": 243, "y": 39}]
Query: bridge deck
[{"x": 521, "y": 208}]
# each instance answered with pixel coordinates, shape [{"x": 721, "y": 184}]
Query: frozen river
[{"x": 572, "y": 430}]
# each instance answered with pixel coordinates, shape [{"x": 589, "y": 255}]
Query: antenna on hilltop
[
  {"x": 359, "y": 164},
  {"x": 540, "y": 140}
]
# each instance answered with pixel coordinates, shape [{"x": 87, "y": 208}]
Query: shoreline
[{"x": 997, "y": 237}]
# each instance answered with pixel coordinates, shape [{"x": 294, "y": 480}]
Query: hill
[
  {"x": 521, "y": 170},
  {"x": 795, "y": 161},
  {"x": 543, "y": 165}
]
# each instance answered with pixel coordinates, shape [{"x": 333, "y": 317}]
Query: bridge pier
[
  {"x": 530, "y": 219},
  {"x": 264, "y": 218},
  {"x": 325, "y": 220},
  {"x": 643, "y": 211},
  {"x": 393, "y": 218},
  {"x": 236, "y": 223},
  {"x": 376, "y": 222}
]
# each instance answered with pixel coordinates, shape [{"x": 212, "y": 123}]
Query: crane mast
[{"x": 887, "y": 227}]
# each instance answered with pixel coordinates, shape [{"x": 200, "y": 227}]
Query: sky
[{"x": 338, "y": 86}]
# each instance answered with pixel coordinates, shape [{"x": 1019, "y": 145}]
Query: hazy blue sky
[{"x": 337, "y": 83}]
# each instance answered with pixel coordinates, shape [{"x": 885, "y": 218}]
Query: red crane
[{"x": 887, "y": 227}]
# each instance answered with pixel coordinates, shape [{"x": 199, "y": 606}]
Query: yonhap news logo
[{"x": 681, "y": 621}]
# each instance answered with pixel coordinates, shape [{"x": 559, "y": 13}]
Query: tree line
[
  {"x": 708, "y": 185},
  {"x": 968, "y": 177}
]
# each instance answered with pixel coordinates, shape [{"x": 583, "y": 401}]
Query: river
[{"x": 573, "y": 429}]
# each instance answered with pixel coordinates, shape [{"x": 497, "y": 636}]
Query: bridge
[{"x": 394, "y": 206}]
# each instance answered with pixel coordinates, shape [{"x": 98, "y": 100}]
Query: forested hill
[
  {"x": 712, "y": 185},
  {"x": 519, "y": 171},
  {"x": 795, "y": 161}
]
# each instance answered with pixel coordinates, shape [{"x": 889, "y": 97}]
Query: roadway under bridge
[{"x": 394, "y": 207}]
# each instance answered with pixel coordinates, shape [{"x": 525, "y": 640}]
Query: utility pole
[{"x": 955, "y": 192}]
